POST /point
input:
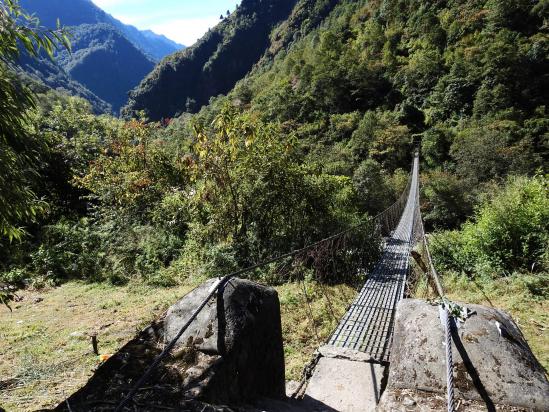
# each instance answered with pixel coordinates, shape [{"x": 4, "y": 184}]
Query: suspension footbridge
[{"x": 367, "y": 326}]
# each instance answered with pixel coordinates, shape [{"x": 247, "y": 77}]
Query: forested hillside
[
  {"x": 104, "y": 61},
  {"x": 314, "y": 138},
  {"x": 186, "y": 80},
  {"x": 466, "y": 80},
  {"x": 44, "y": 73}
]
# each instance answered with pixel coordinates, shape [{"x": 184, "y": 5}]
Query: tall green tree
[{"x": 18, "y": 150}]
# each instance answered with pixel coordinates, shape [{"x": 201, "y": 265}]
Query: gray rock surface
[
  {"x": 409, "y": 400},
  {"x": 202, "y": 334},
  {"x": 233, "y": 352},
  {"x": 493, "y": 368},
  {"x": 231, "y": 355}
]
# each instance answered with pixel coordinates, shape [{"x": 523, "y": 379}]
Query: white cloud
[{"x": 185, "y": 31}]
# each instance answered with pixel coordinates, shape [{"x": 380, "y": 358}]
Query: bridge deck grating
[{"x": 367, "y": 326}]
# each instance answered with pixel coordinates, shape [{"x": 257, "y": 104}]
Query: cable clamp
[{"x": 460, "y": 313}]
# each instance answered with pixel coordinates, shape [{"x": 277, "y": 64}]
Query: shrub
[
  {"x": 372, "y": 187},
  {"x": 111, "y": 251},
  {"x": 68, "y": 250},
  {"x": 509, "y": 233},
  {"x": 14, "y": 276},
  {"x": 447, "y": 200}
]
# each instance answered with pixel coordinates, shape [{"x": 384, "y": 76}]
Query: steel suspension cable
[
  {"x": 223, "y": 281},
  {"x": 446, "y": 317}
]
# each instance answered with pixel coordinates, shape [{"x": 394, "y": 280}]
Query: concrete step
[
  {"x": 343, "y": 380},
  {"x": 343, "y": 385}
]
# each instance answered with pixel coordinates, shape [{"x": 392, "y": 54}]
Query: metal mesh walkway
[{"x": 368, "y": 324}]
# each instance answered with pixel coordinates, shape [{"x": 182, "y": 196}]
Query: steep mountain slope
[
  {"x": 55, "y": 77},
  {"x": 466, "y": 80},
  {"x": 105, "y": 62},
  {"x": 76, "y": 12},
  {"x": 187, "y": 80},
  {"x": 154, "y": 45}
]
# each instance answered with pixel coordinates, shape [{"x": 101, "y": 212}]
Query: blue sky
[{"x": 184, "y": 21}]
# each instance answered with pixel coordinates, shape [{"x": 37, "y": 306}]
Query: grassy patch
[
  {"x": 303, "y": 332},
  {"x": 524, "y": 297},
  {"x": 46, "y": 350},
  {"x": 45, "y": 346}
]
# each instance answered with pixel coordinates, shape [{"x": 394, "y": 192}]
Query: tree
[
  {"x": 371, "y": 185},
  {"x": 253, "y": 191},
  {"x": 18, "y": 203}
]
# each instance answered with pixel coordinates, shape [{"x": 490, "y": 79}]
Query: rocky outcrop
[
  {"x": 493, "y": 365},
  {"x": 231, "y": 354}
]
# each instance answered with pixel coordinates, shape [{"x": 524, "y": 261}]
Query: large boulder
[
  {"x": 232, "y": 354},
  {"x": 493, "y": 364},
  {"x": 235, "y": 342}
]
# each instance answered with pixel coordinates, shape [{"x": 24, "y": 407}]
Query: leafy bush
[
  {"x": 67, "y": 250},
  {"x": 14, "y": 276},
  {"x": 137, "y": 251},
  {"x": 19, "y": 32},
  {"x": 372, "y": 187},
  {"x": 447, "y": 200},
  {"x": 107, "y": 251},
  {"x": 509, "y": 232}
]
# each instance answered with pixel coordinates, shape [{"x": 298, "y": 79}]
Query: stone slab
[
  {"x": 337, "y": 352},
  {"x": 497, "y": 368},
  {"x": 343, "y": 385},
  {"x": 203, "y": 332},
  {"x": 234, "y": 347}
]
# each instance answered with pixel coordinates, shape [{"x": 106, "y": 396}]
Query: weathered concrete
[
  {"x": 488, "y": 367},
  {"x": 408, "y": 400},
  {"x": 336, "y": 352},
  {"x": 238, "y": 337},
  {"x": 232, "y": 354},
  {"x": 202, "y": 332},
  {"x": 343, "y": 385}
]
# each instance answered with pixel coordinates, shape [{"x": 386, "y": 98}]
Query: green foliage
[
  {"x": 133, "y": 171},
  {"x": 67, "y": 250},
  {"x": 510, "y": 232},
  {"x": 254, "y": 193},
  {"x": 435, "y": 146},
  {"x": 492, "y": 149},
  {"x": 18, "y": 203},
  {"x": 330, "y": 100},
  {"x": 447, "y": 200},
  {"x": 372, "y": 187},
  {"x": 95, "y": 251}
]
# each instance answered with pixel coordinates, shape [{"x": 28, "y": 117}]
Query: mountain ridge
[
  {"x": 187, "y": 79},
  {"x": 107, "y": 60},
  {"x": 77, "y": 12}
]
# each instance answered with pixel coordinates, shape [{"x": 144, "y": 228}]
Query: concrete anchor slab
[{"x": 343, "y": 385}]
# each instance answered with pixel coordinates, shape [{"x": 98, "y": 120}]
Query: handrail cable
[{"x": 223, "y": 281}]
